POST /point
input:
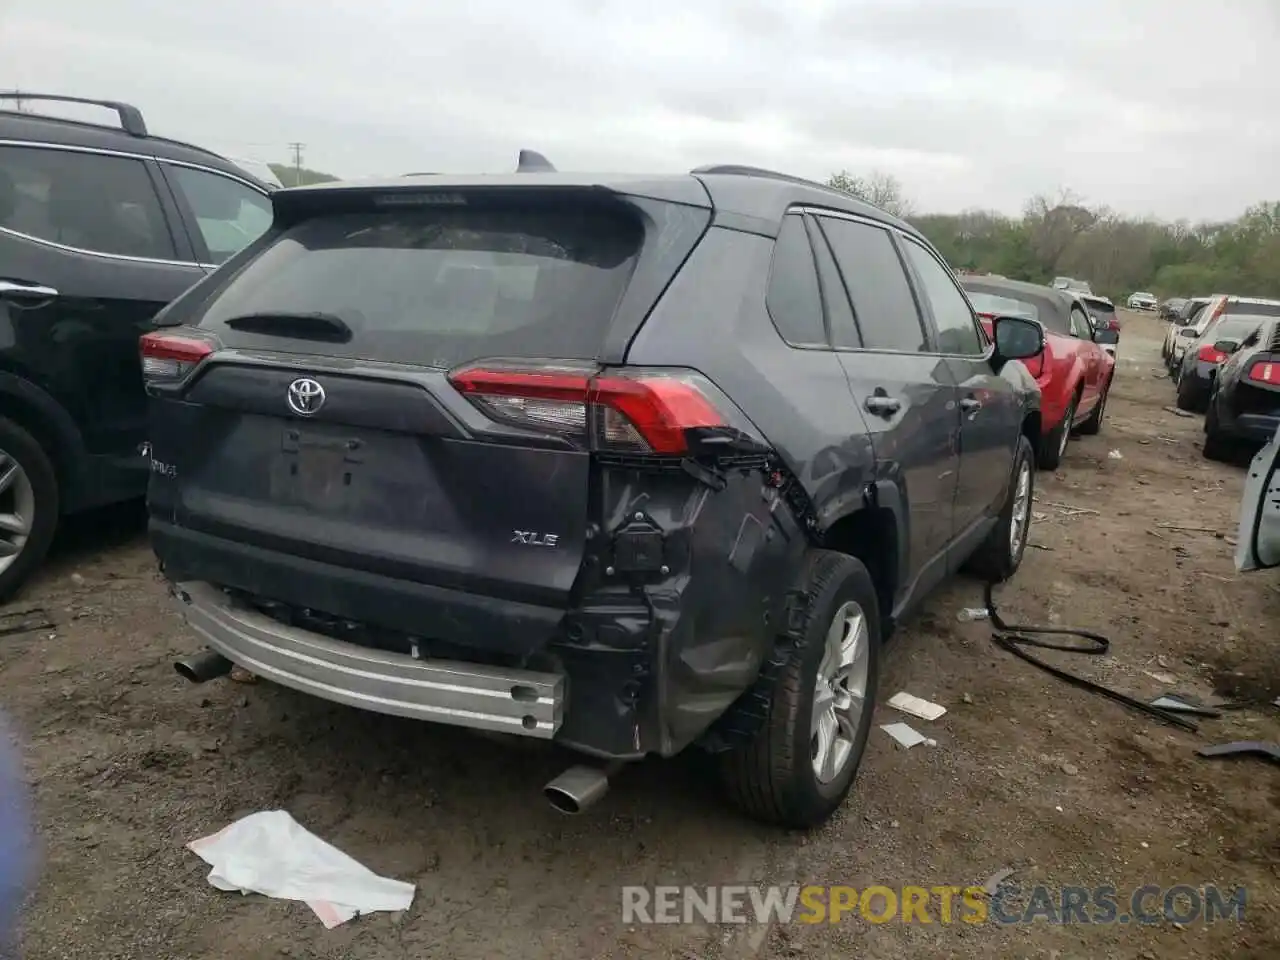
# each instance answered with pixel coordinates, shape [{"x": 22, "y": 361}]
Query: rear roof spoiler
[{"x": 531, "y": 161}]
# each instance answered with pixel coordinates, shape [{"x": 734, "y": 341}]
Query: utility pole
[
  {"x": 297, "y": 162},
  {"x": 17, "y": 100}
]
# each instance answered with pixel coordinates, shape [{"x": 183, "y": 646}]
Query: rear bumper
[
  {"x": 1255, "y": 427},
  {"x": 480, "y": 697}
]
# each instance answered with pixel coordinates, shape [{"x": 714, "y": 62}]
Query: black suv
[
  {"x": 632, "y": 464},
  {"x": 100, "y": 227}
]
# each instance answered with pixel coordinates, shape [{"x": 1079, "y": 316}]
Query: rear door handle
[
  {"x": 882, "y": 405},
  {"x": 26, "y": 291}
]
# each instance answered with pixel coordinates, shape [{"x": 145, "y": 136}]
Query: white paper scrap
[
  {"x": 272, "y": 854},
  {"x": 916, "y": 706},
  {"x": 906, "y": 736}
]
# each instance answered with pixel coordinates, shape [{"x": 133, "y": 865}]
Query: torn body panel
[{"x": 656, "y": 654}]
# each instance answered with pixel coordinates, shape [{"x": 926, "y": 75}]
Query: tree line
[
  {"x": 1062, "y": 236},
  {"x": 1057, "y": 236}
]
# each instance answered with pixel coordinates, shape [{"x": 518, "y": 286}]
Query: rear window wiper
[{"x": 304, "y": 326}]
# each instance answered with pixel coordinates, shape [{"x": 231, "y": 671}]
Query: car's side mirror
[
  {"x": 1258, "y": 540},
  {"x": 1187, "y": 332},
  {"x": 1226, "y": 346},
  {"x": 1017, "y": 338}
]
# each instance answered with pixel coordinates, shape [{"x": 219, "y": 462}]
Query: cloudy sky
[{"x": 1150, "y": 106}]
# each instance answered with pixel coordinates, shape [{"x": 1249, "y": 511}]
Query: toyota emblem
[{"x": 305, "y": 397}]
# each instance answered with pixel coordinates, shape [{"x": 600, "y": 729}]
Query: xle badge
[{"x": 532, "y": 539}]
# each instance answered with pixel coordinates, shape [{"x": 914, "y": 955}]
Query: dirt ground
[{"x": 128, "y": 762}]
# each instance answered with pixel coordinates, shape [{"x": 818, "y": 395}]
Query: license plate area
[{"x": 318, "y": 470}]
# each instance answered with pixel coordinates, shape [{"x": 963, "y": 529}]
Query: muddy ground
[{"x": 128, "y": 762}]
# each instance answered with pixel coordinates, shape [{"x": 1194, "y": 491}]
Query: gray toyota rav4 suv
[{"x": 634, "y": 464}]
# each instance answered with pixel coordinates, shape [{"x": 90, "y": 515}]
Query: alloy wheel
[
  {"x": 840, "y": 694},
  {"x": 17, "y": 509}
]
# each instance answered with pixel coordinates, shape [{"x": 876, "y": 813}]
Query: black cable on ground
[{"x": 1013, "y": 637}]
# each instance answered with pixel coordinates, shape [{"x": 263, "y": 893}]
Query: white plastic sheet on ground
[{"x": 272, "y": 854}]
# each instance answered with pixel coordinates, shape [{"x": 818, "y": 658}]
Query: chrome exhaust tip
[
  {"x": 577, "y": 789},
  {"x": 203, "y": 666}
]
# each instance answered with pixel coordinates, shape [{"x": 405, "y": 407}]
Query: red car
[{"x": 1074, "y": 372}]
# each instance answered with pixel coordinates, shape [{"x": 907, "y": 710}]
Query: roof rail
[
  {"x": 531, "y": 161},
  {"x": 130, "y": 117},
  {"x": 741, "y": 170}
]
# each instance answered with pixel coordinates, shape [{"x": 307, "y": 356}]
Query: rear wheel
[
  {"x": 1191, "y": 395},
  {"x": 28, "y": 506},
  {"x": 1216, "y": 446},
  {"x": 801, "y": 764},
  {"x": 1054, "y": 443},
  {"x": 1001, "y": 553},
  {"x": 1093, "y": 425}
]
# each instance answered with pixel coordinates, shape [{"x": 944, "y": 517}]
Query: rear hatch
[
  {"x": 1258, "y": 389},
  {"x": 406, "y": 386}
]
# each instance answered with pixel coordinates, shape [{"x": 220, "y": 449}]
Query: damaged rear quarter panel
[{"x": 664, "y": 655}]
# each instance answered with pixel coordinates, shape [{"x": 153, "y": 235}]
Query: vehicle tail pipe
[
  {"x": 203, "y": 666},
  {"x": 579, "y": 788}
]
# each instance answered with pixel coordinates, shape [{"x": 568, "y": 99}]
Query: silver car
[{"x": 1258, "y": 539}]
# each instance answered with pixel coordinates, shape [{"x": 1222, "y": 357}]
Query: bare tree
[{"x": 877, "y": 188}]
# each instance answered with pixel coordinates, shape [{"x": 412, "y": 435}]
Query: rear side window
[
  {"x": 442, "y": 286},
  {"x": 794, "y": 300},
  {"x": 957, "y": 329},
  {"x": 883, "y": 304},
  {"x": 88, "y": 201}
]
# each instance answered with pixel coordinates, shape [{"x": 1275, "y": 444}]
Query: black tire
[
  {"x": 1191, "y": 396},
  {"x": 998, "y": 559},
  {"x": 29, "y": 456},
  {"x": 1054, "y": 443},
  {"x": 772, "y": 778},
  {"x": 1216, "y": 446},
  {"x": 1093, "y": 426}
]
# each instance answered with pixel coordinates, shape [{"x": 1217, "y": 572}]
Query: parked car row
[
  {"x": 451, "y": 448},
  {"x": 1223, "y": 354}
]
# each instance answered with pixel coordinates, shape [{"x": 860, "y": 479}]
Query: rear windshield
[
  {"x": 1101, "y": 307},
  {"x": 1002, "y": 306},
  {"x": 442, "y": 286},
  {"x": 1236, "y": 328},
  {"x": 1253, "y": 309}
]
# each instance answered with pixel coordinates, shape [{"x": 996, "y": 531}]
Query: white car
[
  {"x": 1142, "y": 301},
  {"x": 1179, "y": 338},
  {"x": 1258, "y": 539}
]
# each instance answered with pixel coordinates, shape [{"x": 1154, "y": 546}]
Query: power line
[{"x": 297, "y": 149}]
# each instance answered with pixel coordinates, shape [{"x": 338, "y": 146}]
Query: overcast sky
[{"x": 1150, "y": 106}]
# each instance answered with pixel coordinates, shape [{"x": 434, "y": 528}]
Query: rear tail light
[
  {"x": 1210, "y": 354},
  {"x": 168, "y": 357},
  {"x": 1266, "y": 372},
  {"x": 643, "y": 412}
]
